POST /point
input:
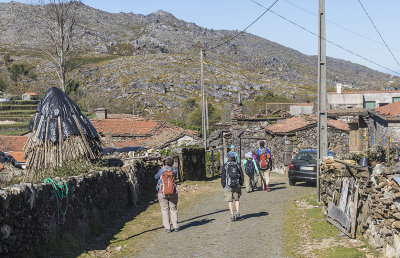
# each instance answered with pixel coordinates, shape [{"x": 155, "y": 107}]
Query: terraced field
[{"x": 15, "y": 116}]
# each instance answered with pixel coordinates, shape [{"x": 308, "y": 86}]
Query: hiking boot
[
  {"x": 176, "y": 230},
  {"x": 233, "y": 218},
  {"x": 238, "y": 216},
  {"x": 168, "y": 230},
  {"x": 268, "y": 190}
]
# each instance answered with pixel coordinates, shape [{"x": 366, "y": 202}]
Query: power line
[
  {"x": 338, "y": 25},
  {"x": 369, "y": 17},
  {"x": 331, "y": 42},
  {"x": 237, "y": 34}
]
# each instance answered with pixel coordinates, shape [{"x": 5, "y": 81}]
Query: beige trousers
[
  {"x": 249, "y": 182},
  {"x": 266, "y": 175},
  {"x": 169, "y": 208}
]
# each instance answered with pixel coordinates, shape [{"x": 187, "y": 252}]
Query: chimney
[
  {"x": 101, "y": 113},
  {"x": 338, "y": 88}
]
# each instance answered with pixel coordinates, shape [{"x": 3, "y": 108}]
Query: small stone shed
[
  {"x": 30, "y": 96},
  {"x": 287, "y": 137},
  {"x": 384, "y": 125}
]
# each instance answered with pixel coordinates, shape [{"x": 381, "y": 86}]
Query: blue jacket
[
  {"x": 232, "y": 153},
  {"x": 158, "y": 175}
]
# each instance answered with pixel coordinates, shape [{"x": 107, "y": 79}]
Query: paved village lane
[{"x": 206, "y": 230}]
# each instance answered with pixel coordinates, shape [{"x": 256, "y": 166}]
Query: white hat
[{"x": 248, "y": 155}]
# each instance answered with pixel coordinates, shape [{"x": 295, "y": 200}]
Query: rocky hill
[{"x": 151, "y": 63}]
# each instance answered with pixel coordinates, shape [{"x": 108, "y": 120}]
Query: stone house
[
  {"x": 124, "y": 130},
  {"x": 30, "y": 96},
  {"x": 287, "y": 137},
  {"x": 384, "y": 125}
]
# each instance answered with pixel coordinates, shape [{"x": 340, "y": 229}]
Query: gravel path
[{"x": 206, "y": 230}]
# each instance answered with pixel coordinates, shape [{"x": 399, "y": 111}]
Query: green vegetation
[
  {"x": 121, "y": 49},
  {"x": 307, "y": 233},
  {"x": 3, "y": 84},
  {"x": 78, "y": 62}
]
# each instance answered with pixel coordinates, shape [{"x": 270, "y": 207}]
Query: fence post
[{"x": 212, "y": 163}]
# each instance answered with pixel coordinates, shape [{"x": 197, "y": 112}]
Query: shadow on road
[
  {"x": 277, "y": 188},
  {"x": 306, "y": 184},
  {"x": 255, "y": 215},
  {"x": 194, "y": 223}
]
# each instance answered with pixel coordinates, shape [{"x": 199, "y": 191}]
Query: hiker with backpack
[
  {"x": 250, "y": 171},
  {"x": 265, "y": 165},
  {"x": 167, "y": 195},
  {"x": 232, "y": 181},
  {"x": 232, "y": 152}
]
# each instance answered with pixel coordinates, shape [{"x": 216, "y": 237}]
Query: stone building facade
[{"x": 286, "y": 138}]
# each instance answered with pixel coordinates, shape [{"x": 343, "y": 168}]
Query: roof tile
[
  {"x": 390, "y": 110},
  {"x": 300, "y": 122},
  {"x": 12, "y": 143}
]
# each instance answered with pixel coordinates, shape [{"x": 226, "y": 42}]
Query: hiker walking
[
  {"x": 232, "y": 152},
  {"x": 250, "y": 170},
  {"x": 265, "y": 165},
  {"x": 256, "y": 175},
  {"x": 232, "y": 181},
  {"x": 167, "y": 195}
]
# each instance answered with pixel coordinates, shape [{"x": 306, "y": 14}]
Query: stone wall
[
  {"x": 377, "y": 131},
  {"x": 193, "y": 164},
  {"x": 29, "y": 214},
  {"x": 378, "y": 201},
  {"x": 284, "y": 147}
]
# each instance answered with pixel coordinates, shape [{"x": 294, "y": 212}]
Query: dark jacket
[{"x": 223, "y": 175}]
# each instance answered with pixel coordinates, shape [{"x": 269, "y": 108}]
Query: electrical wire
[
  {"x": 338, "y": 25},
  {"x": 380, "y": 35},
  {"x": 331, "y": 42},
  {"x": 237, "y": 34}
]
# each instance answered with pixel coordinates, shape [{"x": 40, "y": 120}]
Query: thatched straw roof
[{"x": 60, "y": 132}]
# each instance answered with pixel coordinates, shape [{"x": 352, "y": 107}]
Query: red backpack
[
  {"x": 263, "y": 161},
  {"x": 168, "y": 182}
]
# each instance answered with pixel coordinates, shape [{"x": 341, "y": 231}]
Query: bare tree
[{"x": 59, "y": 21}]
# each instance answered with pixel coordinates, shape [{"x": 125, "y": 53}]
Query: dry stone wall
[
  {"x": 29, "y": 216},
  {"x": 378, "y": 201}
]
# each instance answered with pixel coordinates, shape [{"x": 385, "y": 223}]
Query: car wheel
[{"x": 292, "y": 182}]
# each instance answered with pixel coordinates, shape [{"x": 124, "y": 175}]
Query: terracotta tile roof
[
  {"x": 1, "y": 166},
  {"x": 19, "y": 156},
  {"x": 31, "y": 93},
  {"x": 12, "y": 143},
  {"x": 134, "y": 126},
  {"x": 300, "y": 122},
  {"x": 363, "y": 92},
  {"x": 130, "y": 130},
  {"x": 389, "y": 111},
  {"x": 338, "y": 124}
]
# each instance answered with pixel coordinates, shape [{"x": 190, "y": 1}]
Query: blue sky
[{"x": 237, "y": 14}]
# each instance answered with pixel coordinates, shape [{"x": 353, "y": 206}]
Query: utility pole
[
  {"x": 203, "y": 106},
  {"x": 322, "y": 139},
  {"x": 206, "y": 114}
]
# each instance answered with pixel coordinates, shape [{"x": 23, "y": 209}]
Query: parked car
[{"x": 303, "y": 167}]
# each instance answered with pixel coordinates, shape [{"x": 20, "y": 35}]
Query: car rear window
[{"x": 306, "y": 156}]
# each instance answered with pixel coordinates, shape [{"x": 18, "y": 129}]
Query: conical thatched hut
[{"x": 59, "y": 132}]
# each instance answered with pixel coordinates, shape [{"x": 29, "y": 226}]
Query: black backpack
[
  {"x": 232, "y": 174},
  {"x": 249, "y": 168}
]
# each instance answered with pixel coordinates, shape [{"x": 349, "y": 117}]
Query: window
[
  {"x": 369, "y": 104},
  {"x": 395, "y": 99}
]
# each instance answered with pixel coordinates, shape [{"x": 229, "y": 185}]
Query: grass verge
[{"x": 307, "y": 233}]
